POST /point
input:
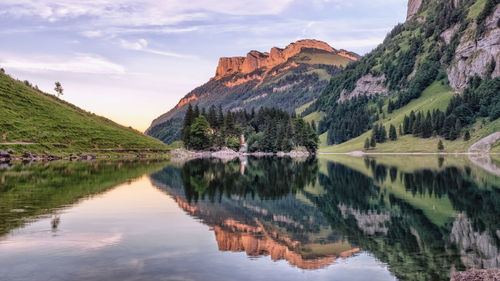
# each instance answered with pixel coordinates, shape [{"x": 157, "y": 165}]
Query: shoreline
[{"x": 361, "y": 153}]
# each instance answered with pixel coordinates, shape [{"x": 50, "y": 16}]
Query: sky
[{"x": 133, "y": 60}]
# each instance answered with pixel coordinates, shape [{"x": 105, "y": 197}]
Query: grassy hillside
[
  {"x": 436, "y": 96},
  {"x": 38, "y": 122}
]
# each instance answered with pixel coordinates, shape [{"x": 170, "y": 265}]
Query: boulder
[
  {"x": 477, "y": 275},
  {"x": 4, "y": 153}
]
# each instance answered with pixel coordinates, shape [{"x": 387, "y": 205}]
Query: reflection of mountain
[
  {"x": 284, "y": 228},
  {"x": 424, "y": 223}
]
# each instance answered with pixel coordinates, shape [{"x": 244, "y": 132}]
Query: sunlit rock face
[
  {"x": 478, "y": 249},
  {"x": 255, "y": 60}
]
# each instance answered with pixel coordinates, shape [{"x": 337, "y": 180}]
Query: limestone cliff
[
  {"x": 474, "y": 56},
  {"x": 366, "y": 85},
  {"x": 413, "y": 6},
  {"x": 255, "y": 60}
]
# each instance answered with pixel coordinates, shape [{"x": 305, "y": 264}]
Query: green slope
[
  {"x": 436, "y": 96},
  {"x": 45, "y": 123}
]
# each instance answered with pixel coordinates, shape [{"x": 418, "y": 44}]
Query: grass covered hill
[{"x": 34, "y": 121}]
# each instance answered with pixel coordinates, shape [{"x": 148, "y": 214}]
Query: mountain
[
  {"x": 288, "y": 78},
  {"x": 442, "y": 64},
  {"x": 34, "y": 121}
]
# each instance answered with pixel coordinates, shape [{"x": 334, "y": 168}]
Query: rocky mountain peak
[{"x": 256, "y": 60}]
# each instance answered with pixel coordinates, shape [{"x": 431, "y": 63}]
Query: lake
[{"x": 325, "y": 218}]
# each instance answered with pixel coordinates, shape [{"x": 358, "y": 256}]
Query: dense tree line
[
  {"x": 268, "y": 130},
  {"x": 479, "y": 99},
  {"x": 348, "y": 120},
  {"x": 379, "y": 135}
]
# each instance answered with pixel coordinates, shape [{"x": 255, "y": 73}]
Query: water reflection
[
  {"x": 257, "y": 212},
  {"x": 425, "y": 223},
  {"x": 36, "y": 189},
  {"x": 420, "y": 218}
]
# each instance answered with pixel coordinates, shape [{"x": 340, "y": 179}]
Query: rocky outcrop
[
  {"x": 477, "y": 275},
  {"x": 366, "y": 85},
  {"x": 187, "y": 100},
  {"x": 255, "y": 60},
  {"x": 413, "y": 6},
  {"x": 473, "y": 57},
  {"x": 448, "y": 33}
]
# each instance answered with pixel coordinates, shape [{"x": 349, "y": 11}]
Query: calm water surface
[{"x": 331, "y": 218}]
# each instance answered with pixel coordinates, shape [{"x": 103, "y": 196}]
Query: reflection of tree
[
  {"x": 257, "y": 212},
  {"x": 44, "y": 187},
  {"x": 481, "y": 204},
  {"x": 414, "y": 247},
  {"x": 268, "y": 178}
]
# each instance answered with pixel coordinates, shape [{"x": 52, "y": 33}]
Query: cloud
[
  {"x": 92, "y": 33},
  {"x": 79, "y": 63},
  {"x": 138, "y": 12},
  {"x": 142, "y": 45}
]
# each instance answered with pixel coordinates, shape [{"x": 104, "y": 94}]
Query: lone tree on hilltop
[{"x": 59, "y": 89}]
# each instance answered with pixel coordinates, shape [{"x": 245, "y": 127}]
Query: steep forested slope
[{"x": 454, "y": 44}]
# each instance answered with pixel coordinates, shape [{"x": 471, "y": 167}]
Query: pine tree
[
  {"x": 373, "y": 142},
  {"x": 367, "y": 144},
  {"x": 467, "y": 135},
  {"x": 392, "y": 133},
  {"x": 458, "y": 128},
  {"x": 196, "y": 112},
  {"x": 390, "y": 107},
  {"x": 220, "y": 119},
  {"x": 440, "y": 145},
  {"x": 383, "y": 134},
  {"x": 186, "y": 126},
  {"x": 229, "y": 128},
  {"x": 212, "y": 117},
  {"x": 406, "y": 125}
]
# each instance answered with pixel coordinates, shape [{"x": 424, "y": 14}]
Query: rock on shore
[{"x": 477, "y": 275}]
